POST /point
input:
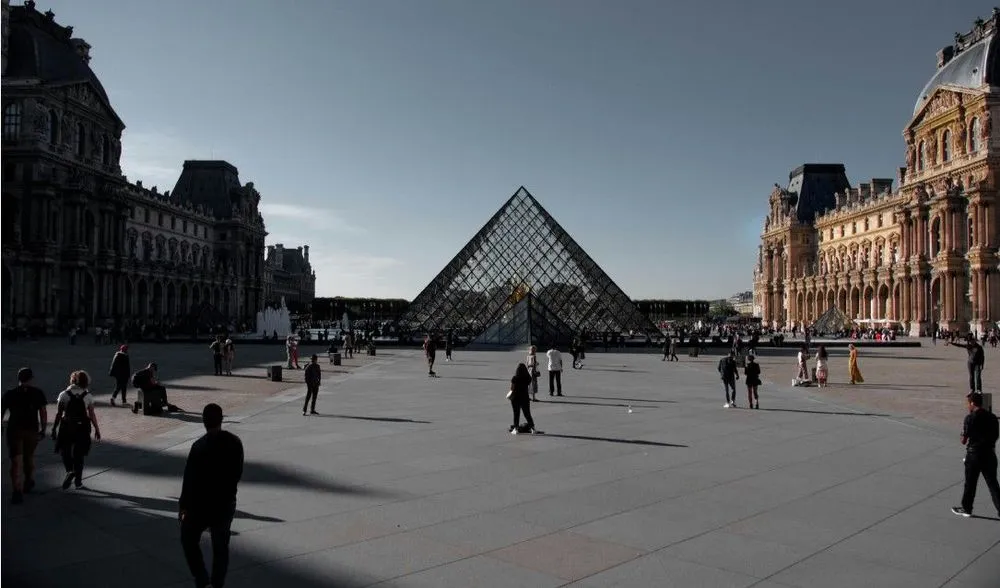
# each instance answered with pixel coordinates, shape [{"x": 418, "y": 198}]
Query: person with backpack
[
  {"x": 75, "y": 418},
  {"x": 121, "y": 367},
  {"x": 28, "y": 419},
  {"x": 216, "y": 347},
  {"x": 729, "y": 374}
]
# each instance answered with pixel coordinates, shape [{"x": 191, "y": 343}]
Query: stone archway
[
  {"x": 883, "y": 303},
  {"x": 810, "y": 307},
  {"x": 142, "y": 298},
  {"x": 185, "y": 305},
  {"x": 800, "y": 308},
  {"x": 842, "y": 302},
  {"x": 855, "y": 309},
  {"x": 157, "y": 299},
  {"x": 831, "y": 300},
  {"x": 935, "y": 301},
  {"x": 8, "y": 294},
  {"x": 171, "y": 300},
  {"x": 868, "y": 307}
]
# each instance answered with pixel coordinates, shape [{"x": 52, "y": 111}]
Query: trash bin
[
  {"x": 335, "y": 358},
  {"x": 988, "y": 401},
  {"x": 274, "y": 373}
]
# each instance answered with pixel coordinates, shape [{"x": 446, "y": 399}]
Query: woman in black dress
[
  {"x": 520, "y": 399},
  {"x": 751, "y": 375}
]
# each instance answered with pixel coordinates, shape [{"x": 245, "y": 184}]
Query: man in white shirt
[{"x": 555, "y": 371}]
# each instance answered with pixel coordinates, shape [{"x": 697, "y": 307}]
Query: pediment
[
  {"x": 92, "y": 98},
  {"x": 943, "y": 99}
]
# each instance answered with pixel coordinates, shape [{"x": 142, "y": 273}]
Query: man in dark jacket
[
  {"x": 208, "y": 497},
  {"x": 152, "y": 394},
  {"x": 979, "y": 435},
  {"x": 313, "y": 375},
  {"x": 976, "y": 361},
  {"x": 121, "y": 369},
  {"x": 729, "y": 374}
]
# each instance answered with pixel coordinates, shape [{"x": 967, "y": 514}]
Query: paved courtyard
[{"x": 642, "y": 478}]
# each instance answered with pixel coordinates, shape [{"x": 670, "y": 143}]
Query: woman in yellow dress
[{"x": 852, "y": 365}]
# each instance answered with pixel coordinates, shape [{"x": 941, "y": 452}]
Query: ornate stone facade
[
  {"x": 923, "y": 255},
  {"x": 289, "y": 275},
  {"x": 81, "y": 244}
]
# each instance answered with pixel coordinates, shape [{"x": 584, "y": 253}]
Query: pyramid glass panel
[{"x": 523, "y": 279}]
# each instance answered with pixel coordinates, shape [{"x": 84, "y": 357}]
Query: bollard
[
  {"x": 988, "y": 401},
  {"x": 336, "y": 359},
  {"x": 274, "y": 373}
]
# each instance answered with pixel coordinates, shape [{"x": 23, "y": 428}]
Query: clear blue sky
[{"x": 384, "y": 133}]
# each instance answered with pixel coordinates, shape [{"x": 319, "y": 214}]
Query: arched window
[
  {"x": 105, "y": 150},
  {"x": 11, "y": 121},
  {"x": 53, "y": 127},
  {"x": 81, "y": 139},
  {"x": 921, "y": 155},
  {"x": 946, "y": 146},
  {"x": 936, "y": 237},
  {"x": 970, "y": 229},
  {"x": 975, "y": 135}
]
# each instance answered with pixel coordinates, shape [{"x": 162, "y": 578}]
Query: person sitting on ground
[{"x": 145, "y": 380}]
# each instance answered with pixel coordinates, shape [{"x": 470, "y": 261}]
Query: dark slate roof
[
  {"x": 972, "y": 67},
  {"x": 38, "y": 48},
  {"x": 293, "y": 262},
  {"x": 209, "y": 183},
  {"x": 814, "y": 186}
]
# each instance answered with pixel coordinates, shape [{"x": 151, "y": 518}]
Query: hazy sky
[{"x": 384, "y": 133}]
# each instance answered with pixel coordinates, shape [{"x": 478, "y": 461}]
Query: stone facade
[
  {"x": 924, "y": 254},
  {"x": 289, "y": 275},
  {"x": 82, "y": 245}
]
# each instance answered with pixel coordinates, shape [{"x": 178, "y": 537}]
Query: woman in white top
[
  {"x": 822, "y": 370},
  {"x": 532, "y": 365},
  {"x": 71, "y": 430}
]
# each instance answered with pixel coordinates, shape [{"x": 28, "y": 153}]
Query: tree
[{"x": 721, "y": 309}]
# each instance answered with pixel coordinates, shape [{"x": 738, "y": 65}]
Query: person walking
[
  {"x": 430, "y": 350},
  {"x": 803, "y": 365},
  {"x": 852, "y": 365},
  {"x": 977, "y": 358},
  {"x": 313, "y": 375},
  {"x": 120, "y": 370},
  {"x": 822, "y": 369},
  {"x": 216, "y": 347},
  {"x": 519, "y": 401},
  {"x": 28, "y": 420},
  {"x": 448, "y": 343},
  {"x": 729, "y": 374},
  {"x": 555, "y": 371},
  {"x": 532, "y": 364},
  {"x": 228, "y": 356},
  {"x": 208, "y": 497},
  {"x": 74, "y": 422},
  {"x": 979, "y": 435},
  {"x": 751, "y": 377}
]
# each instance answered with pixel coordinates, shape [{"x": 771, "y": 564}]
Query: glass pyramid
[{"x": 522, "y": 279}]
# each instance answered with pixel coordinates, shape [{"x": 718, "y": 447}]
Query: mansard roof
[{"x": 209, "y": 183}]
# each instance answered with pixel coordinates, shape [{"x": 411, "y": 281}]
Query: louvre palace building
[
  {"x": 83, "y": 246},
  {"x": 921, "y": 254}
]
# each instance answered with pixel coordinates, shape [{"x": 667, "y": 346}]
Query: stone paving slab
[{"x": 642, "y": 479}]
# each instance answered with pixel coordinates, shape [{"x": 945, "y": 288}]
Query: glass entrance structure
[{"x": 523, "y": 279}]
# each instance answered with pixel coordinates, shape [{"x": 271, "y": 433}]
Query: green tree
[{"x": 721, "y": 309}]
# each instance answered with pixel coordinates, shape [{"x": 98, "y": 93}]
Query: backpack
[
  {"x": 136, "y": 380},
  {"x": 75, "y": 414}
]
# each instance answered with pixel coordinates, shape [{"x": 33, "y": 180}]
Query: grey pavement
[{"x": 642, "y": 479}]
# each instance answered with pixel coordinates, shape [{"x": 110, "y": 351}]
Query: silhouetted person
[
  {"x": 979, "y": 435},
  {"x": 313, "y": 375},
  {"x": 729, "y": 374},
  {"x": 120, "y": 370},
  {"x": 977, "y": 358},
  {"x": 75, "y": 421},
  {"x": 208, "y": 497},
  {"x": 520, "y": 401},
  {"x": 430, "y": 350},
  {"x": 28, "y": 419}
]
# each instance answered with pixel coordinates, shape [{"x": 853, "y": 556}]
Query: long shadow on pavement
[
  {"x": 581, "y": 403},
  {"x": 92, "y": 539},
  {"x": 613, "y": 440},
  {"x": 368, "y": 418},
  {"x": 625, "y": 399},
  {"x": 838, "y": 413}
]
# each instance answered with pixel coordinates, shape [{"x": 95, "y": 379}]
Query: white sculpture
[{"x": 274, "y": 319}]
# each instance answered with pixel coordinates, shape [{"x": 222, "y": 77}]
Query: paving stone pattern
[{"x": 642, "y": 479}]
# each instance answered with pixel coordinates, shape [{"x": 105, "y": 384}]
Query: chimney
[
  {"x": 305, "y": 253},
  {"x": 279, "y": 256},
  {"x": 881, "y": 185},
  {"x": 945, "y": 55},
  {"x": 270, "y": 253},
  {"x": 82, "y": 49}
]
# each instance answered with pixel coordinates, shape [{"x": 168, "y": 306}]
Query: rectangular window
[
  {"x": 146, "y": 215},
  {"x": 173, "y": 223},
  {"x": 160, "y": 219},
  {"x": 185, "y": 227},
  {"x": 880, "y": 221}
]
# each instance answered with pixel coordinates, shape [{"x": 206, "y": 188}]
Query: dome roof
[
  {"x": 38, "y": 48},
  {"x": 974, "y": 64}
]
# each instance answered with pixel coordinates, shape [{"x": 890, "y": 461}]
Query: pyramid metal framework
[{"x": 523, "y": 279}]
